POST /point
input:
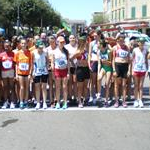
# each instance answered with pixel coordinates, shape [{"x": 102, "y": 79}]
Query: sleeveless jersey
[
  {"x": 61, "y": 61},
  {"x": 139, "y": 63},
  {"x": 40, "y": 64}
]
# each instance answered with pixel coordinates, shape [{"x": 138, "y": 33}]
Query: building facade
[{"x": 128, "y": 10}]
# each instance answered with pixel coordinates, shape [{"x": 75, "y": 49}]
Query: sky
[{"x": 77, "y": 9}]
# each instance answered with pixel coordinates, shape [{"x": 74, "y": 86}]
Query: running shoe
[
  {"x": 98, "y": 96},
  {"x": 141, "y": 105},
  {"x": 136, "y": 103},
  {"x": 116, "y": 105},
  {"x": 44, "y": 105},
  {"x": 12, "y": 105},
  {"x": 106, "y": 104},
  {"x": 80, "y": 105},
  {"x": 90, "y": 99},
  {"x": 5, "y": 105},
  {"x": 21, "y": 105},
  {"x": 26, "y": 105},
  {"x": 64, "y": 105},
  {"x": 53, "y": 105},
  {"x": 37, "y": 106},
  {"x": 124, "y": 104},
  {"x": 57, "y": 106}
]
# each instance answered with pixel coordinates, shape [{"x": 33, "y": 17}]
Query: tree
[
  {"x": 99, "y": 18},
  {"x": 33, "y": 13}
]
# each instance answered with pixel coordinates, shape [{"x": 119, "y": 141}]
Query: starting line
[{"x": 76, "y": 109}]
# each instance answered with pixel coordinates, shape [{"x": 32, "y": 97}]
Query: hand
[
  {"x": 146, "y": 74},
  {"x": 68, "y": 76},
  {"x": 114, "y": 74},
  {"x": 16, "y": 78},
  {"x": 29, "y": 77},
  {"x": 128, "y": 73}
]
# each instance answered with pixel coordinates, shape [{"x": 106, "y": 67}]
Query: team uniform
[
  {"x": 121, "y": 68},
  {"x": 82, "y": 72},
  {"x": 94, "y": 61},
  {"x": 40, "y": 70},
  {"x": 23, "y": 60},
  {"x": 105, "y": 56},
  {"x": 7, "y": 67},
  {"x": 139, "y": 62},
  {"x": 60, "y": 63}
]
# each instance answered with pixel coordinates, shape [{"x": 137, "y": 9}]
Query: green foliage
[
  {"x": 99, "y": 18},
  {"x": 33, "y": 13}
]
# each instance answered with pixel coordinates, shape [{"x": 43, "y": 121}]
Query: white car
[{"x": 136, "y": 34}]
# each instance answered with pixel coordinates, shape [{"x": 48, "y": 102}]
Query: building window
[
  {"x": 119, "y": 14},
  {"x": 123, "y": 13},
  {"x": 144, "y": 11},
  {"x": 115, "y": 2},
  {"x": 116, "y": 15},
  {"x": 112, "y": 3},
  {"x": 112, "y": 16},
  {"x": 133, "y": 12}
]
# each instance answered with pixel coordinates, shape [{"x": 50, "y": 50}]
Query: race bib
[
  {"x": 123, "y": 54},
  {"x": 24, "y": 66},
  {"x": 104, "y": 56},
  {"x": 61, "y": 63},
  {"x": 140, "y": 67},
  {"x": 41, "y": 70},
  {"x": 7, "y": 64}
]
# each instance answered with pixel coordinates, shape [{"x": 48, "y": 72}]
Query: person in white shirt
[
  {"x": 40, "y": 73},
  {"x": 60, "y": 66},
  {"x": 139, "y": 70},
  {"x": 50, "y": 50},
  {"x": 72, "y": 83}
]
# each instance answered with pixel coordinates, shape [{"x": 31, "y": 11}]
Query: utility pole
[{"x": 18, "y": 17}]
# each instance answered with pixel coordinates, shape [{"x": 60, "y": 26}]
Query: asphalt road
[
  {"x": 75, "y": 130},
  {"x": 90, "y": 128}
]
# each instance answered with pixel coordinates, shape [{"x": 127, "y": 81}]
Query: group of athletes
[{"x": 46, "y": 67}]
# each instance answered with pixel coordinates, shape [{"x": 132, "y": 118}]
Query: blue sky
[{"x": 77, "y": 9}]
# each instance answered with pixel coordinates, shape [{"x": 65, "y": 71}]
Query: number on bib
[
  {"x": 24, "y": 66},
  {"x": 7, "y": 64}
]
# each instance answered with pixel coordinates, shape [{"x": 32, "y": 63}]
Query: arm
[
  {"x": 113, "y": 60},
  {"x": 31, "y": 64},
  {"x": 52, "y": 62},
  {"x": 89, "y": 56},
  {"x": 99, "y": 61}
]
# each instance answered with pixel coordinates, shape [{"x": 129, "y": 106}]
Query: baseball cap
[{"x": 39, "y": 43}]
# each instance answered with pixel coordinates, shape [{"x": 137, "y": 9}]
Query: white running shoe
[
  {"x": 80, "y": 105},
  {"x": 44, "y": 105},
  {"x": 5, "y": 105},
  {"x": 37, "y": 106},
  {"x": 98, "y": 96},
  {"x": 12, "y": 105},
  {"x": 141, "y": 104},
  {"x": 90, "y": 99},
  {"x": 136, "y": 103}
]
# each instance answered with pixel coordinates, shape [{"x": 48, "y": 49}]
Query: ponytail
[{"x": 66, "y": 52}]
